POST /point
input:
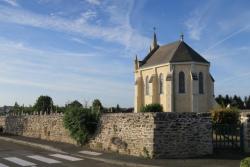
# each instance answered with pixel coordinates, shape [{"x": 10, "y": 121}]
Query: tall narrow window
[
  {"x": 147, "y": 86},
  {"x": 161, "y": 83},
  {"x": 181, "y": 82},
  {"x": 201, "y": 86}
]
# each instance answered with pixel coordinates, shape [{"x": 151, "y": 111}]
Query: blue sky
[{"x": 84, "y": 49}]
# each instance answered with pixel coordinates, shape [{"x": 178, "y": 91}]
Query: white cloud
[
  {"x": 11, "y": 2},
  {"x": 231, "y": 35},
  {"x": 94, "y": 2},
  {"x": 198, "y": 20},
  {"x": 121, "y": 33}
]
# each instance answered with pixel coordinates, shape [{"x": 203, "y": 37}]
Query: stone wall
[
  {"x": 158, "y": 135},
  {"x": 46, "y": 127}
]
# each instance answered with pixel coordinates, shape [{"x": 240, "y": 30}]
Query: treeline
[
  {"x": 233, "y": 101},
  {"x": 45, "y": 104}
]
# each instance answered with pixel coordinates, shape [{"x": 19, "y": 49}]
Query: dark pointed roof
[{"x": 174, "y": 52}]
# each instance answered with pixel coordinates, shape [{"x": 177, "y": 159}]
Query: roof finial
[
  {"x": 154, "y": 42},
  {"x": 182, "y": 36}
]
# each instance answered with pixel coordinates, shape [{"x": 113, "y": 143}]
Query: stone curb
[
  {"x": 36, "y": 145},
  {"x": 116, "y": 162}
]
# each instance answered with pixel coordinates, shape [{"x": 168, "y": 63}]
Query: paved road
[{"x": 14, "y": 155}]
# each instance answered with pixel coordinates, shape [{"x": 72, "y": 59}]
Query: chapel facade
[{"x": 175, "y": 76}]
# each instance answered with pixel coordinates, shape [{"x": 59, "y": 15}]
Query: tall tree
[
  {"x": 97, "y": 105},
  {"x": 44, "y": 104},
  {"x": 75, "y": 103}
]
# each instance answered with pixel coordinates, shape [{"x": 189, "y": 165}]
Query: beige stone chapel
[{"x": 175, "y": 76}]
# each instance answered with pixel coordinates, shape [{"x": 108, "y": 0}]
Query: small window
[
  {"x": 201, "y": 83},
  {"x": 161, "y": 81},
  {"x": 181, "y": 82},
  {"x": 147, "y": 86}
]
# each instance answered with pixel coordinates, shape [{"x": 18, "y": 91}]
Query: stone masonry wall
[
  {"x": 130, "y": 133},
  {"x": 182, "y": 135},
  {"x": 46, "y": 127},
  {"x": 158, "y": 135}
]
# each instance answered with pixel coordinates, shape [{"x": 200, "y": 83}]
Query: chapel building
[{"x": 175, "y": 76}]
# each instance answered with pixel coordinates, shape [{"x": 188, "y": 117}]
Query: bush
[
  {"x": 226, "y": 116},
  {"x": 152, "y": 108},
  {"x": 245, "y": 162},
  {"x": 81, "y": 123}
]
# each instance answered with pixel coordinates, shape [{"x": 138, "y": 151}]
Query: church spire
[
  {"x": 154, "y": 42},
  {"x": 181, "y": 36}
]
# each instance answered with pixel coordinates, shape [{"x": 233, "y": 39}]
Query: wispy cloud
[
  {"x": 121, "y": 32},
  {"x": 11, "y": 2},
  {"x": 94, "y": 2},
  {"x": 198, "y": 20},
  {"x": 228, "y": 37},
  {"x": 63, "y": 71}
]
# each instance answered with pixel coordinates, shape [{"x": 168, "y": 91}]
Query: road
[{"x": 14, "y": 155}]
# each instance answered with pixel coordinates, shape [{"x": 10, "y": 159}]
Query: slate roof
[{"x": 174, "y": 52}]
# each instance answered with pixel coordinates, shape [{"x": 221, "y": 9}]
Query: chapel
[{"x": 175, "y": 76}]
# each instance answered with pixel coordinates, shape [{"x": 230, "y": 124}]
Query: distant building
[
  {"x": 175, "y": 76},
  {"x": 5, "y": 109}
]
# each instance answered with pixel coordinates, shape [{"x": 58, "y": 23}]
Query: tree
[
  {"x": 16, "y": 108},
  {"x": 220, "y": 100},
  {"x": 81, "y": 122},
  {"x": 44, "y": 104},
  {"x": 118, "y": 109},
  {"x": 75, "y": 104},
  {"x": 97, "y": 105},
  {"x": 227, "y": 100},
  {"x": 248, "y": 103}
]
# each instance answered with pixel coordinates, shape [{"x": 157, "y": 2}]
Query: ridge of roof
[{"x": 174, "y": 52}]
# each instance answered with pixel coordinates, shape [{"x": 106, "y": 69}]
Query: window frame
[
  {"x": 161, "y": 84},
  {"x": 182, "y": 82},
  {"x": 201, "y": 83}
]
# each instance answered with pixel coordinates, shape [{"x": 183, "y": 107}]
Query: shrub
[
  {"x": 245, "y": 162},
  {"x": 226, "y": 116},
  {"x": 152, "y": 108},
  {"x": 81, "y": 123}
]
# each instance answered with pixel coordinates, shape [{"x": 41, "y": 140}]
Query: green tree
[
  {"x": 118, "y": 109},
  {"x": 81, "y": 122},
  {"x": 75, "y": 103},
  {"x": 248, "y": 103},
  {"x": 44, "y": 104},
  {"x": 220, "y": 100},
  {"x": 97, "y": 105},
  {"x": 16, "y": 108}
]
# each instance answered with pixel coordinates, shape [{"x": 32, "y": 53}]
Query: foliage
[
  {"x": 146, "y": 153},
  {"x": 74, "y": 104},
  {"x": 233, "y": 101},
  {"x": 44, "y": 104},
  {"x": 245, "y": 162},
  {"x": 97, "y": 105},
  {"x": 152, "y": 108},
  {"x": 226, "y": 116},
  {"x": 81, "y": 122}
]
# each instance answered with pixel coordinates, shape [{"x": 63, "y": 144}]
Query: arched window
[
  {"x": 147, "y": 86},
  {"x": 181, "y": 82},
  {"x": 161, "y": 81},
  {"x": 201, "y": 86}
]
